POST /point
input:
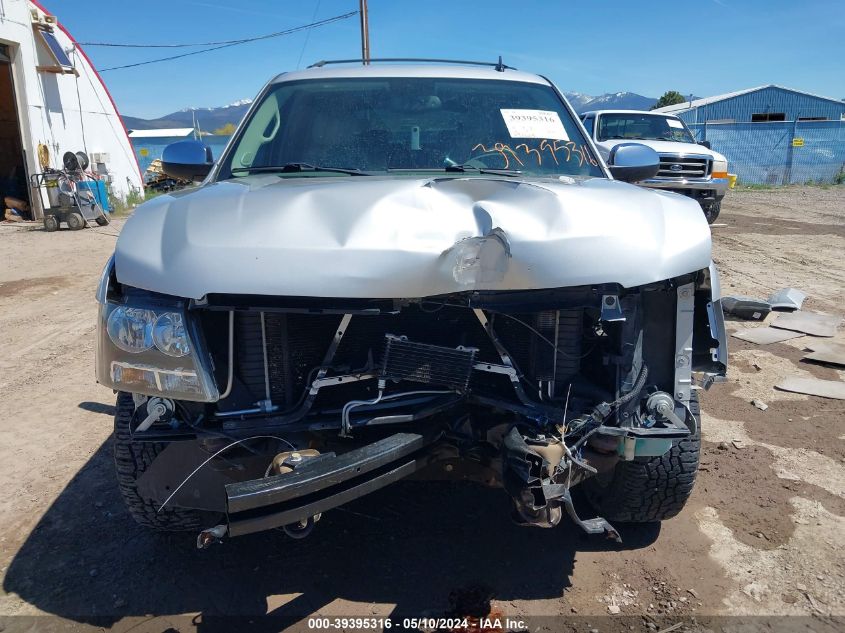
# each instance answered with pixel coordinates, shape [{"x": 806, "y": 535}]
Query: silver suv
[{"x": 407, "y": 268}]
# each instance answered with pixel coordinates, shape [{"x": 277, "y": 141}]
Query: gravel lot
[{"x": 764, "y": 533}]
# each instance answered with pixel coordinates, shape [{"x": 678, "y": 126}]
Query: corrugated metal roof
[
  {"x": 697, "y": 103},
  {"x": 162, "y": 132}
]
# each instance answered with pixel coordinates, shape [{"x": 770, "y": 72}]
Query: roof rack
[{"x": 499, "y": 66}]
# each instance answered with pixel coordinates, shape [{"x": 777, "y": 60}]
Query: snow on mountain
[{"x": 616, "y": 100}]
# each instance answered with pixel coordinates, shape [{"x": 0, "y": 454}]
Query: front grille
[
  {"x": 428, "y": 364},
  {"x": 675, "y": 166}
]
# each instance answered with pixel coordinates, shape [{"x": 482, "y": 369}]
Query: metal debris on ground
[
  {"x": 826, "y": 352},
  {"x": 814, "y": 387},
  {"x": 760, "y": 404},
  {"x": 747, "y": 308},
  {"x": 811, "y": 323},
  {"x": 765, "y": 335},
  {"x": 787, "y": 300}
]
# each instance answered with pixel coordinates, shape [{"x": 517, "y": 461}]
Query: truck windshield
[
  {"x": 361, "y": 126},
  {"x": 642, "y": 126}
]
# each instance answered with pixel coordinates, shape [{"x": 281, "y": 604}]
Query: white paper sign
[
  {"x": 534, "y": 124},
  {"x": 675, "y": 123}
]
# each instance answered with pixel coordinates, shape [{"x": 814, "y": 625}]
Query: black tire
[
  {"x": 102, "y": 220},
  {"x": 711, "y": 211},
  {"x": 75, "y": 221},
  {"x": 51, "y": 223},
  {"x": 649, "y": 489},
  {"x": 131, "y": 459}
]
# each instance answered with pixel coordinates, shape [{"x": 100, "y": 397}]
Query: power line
[
  {"x": 307, "y": 35},
  {"x": 224, "y": 42},
  {"x": 218, "y": 45}
]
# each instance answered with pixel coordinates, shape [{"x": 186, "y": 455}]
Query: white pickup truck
[{"x": 686, "y": 167}]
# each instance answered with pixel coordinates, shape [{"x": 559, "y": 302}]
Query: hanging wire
[
  {"x": 307, "y": 35},
  {"x": 214, "y": 46}
]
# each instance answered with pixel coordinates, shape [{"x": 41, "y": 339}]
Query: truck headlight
[
  {"x": 170, "y": 335},
  {"x": 131, "y": 329},
  {"x": 148, "y": 348},
  {"x": 720, "y": 169}
]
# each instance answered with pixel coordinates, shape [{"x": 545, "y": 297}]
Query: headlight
[
  {"x": 153, "y": 349},
  {"x": 170, "y": 336},
  {"x": 131, "y": 329},
  {"x": 720, "y": 169}
]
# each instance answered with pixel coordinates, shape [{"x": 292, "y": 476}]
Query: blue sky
[{"x": 705, "y": 47}]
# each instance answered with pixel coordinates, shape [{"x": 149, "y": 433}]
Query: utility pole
[{"x": 365, "y": 32}]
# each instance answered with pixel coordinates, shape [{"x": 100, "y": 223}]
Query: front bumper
[
  {"x": 323, "y": 483},
  {"x": 693, "y": 187}
]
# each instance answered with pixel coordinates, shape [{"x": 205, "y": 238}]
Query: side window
[
  {"x": 588, "y": 123},
  {"x": 254, "y": 147}
]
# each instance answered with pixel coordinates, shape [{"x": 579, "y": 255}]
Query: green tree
[{"x": 670, "y": 97}]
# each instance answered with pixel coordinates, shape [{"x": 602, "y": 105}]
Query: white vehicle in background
[{"x": 686, "y": 167}]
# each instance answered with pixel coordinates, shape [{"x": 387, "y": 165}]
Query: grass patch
[
  {"x": 121, "y": 207},
  {"x": 754, "y": 187}
]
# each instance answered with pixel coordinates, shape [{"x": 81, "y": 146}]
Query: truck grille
[{"x": 674, "y": 166}]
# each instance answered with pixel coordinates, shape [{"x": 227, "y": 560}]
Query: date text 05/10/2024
[{"x": 379, "y": 624}]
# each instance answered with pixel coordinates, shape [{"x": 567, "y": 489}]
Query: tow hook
[{"x": 210, "y": 536}]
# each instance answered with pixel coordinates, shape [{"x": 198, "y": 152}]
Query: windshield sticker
[
  {"x": 675, "y": 123},
  {"x": 557, "y": 151},
  {"x": 534, "y": 124}
]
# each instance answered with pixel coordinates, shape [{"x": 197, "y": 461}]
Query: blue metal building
[
  {"x": 763, "y": 104},
  {"x": 771, "y": 134}
]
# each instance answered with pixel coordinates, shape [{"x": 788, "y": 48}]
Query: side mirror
[
  {"x": 187, "y": 160},
  {"x": 705, "y": 144},
  {"x": 632, "y": 162}
]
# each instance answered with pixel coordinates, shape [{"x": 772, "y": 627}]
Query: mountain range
[{"x": 210, "y": 119}]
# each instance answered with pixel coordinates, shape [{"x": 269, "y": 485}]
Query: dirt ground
[{"x": 764, "y": 533}]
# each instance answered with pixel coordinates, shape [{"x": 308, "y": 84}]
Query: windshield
[
  {"x": 409, "y": 124},
  {"x": 642, "y": 126}
]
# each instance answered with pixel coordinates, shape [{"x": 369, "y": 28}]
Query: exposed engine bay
[{"x": 320, "y": 401}]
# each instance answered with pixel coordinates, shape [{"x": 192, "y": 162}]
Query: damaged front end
[{"x": 281, "y": 408}]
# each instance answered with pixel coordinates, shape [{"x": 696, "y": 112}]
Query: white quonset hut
[{"x": 52, "y": 97}]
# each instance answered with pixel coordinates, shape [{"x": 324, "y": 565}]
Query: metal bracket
[
  {"x": 598, "y": 525},
  {"x": 497, "y": 369},
  {"x": 684, "y": 317},
  {"x": 611, "y": 309},
  {"x": 512, "y": 372},
  {"x": 330, "y": 381}
]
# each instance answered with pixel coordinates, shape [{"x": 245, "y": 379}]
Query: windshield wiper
[
  {"x": 300, "y": 167},
  {"x": 483, "y": 170}
]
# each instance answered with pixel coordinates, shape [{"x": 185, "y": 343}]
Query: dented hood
[{"x": 392, "y": 237}]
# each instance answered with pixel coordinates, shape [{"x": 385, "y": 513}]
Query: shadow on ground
[
  {"x": 410, "y": 545},
  {"x": 97, "y": 407}
]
